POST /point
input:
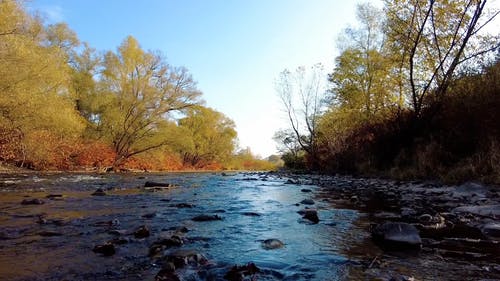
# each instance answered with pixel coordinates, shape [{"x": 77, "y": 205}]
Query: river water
[{"x": 54, "y": 241}]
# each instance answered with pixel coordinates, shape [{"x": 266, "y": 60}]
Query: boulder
[
  {"x": 397, "y": 235},
  {"x": 157, "y": 184},
  {"x": 491, "y": 230},
  {"x": 183, "y": 257}
]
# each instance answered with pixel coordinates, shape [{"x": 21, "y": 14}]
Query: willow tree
[
  {"x": 139, "y": 90},
  {"x": 210, "y": 137},
  {"x": 36, "y": 105}
]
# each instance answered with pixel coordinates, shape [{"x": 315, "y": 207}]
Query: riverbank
[{"x": 459, "y": 226}]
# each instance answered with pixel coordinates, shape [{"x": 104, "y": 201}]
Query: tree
[
  {"x": 36, "y": 100},
  {"x": 302, "y": 95},
  {"x": 140, "y": 91},
  {"x": 360, "y": 78},
  {"x": 431, "y": 39},
  {"x": 210, "y": 137}
]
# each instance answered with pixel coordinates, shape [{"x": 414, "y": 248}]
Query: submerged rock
[
  {"x": 99, "y": 192},
  {"x": 182, "y": 205},
  {"x": 107, "y": 249},
  {"x": 271, "y": 244},
  {"x": 251, "y": 214},
  {"x": 162, "y": 244},
  {"x": 238, "y": 273},
  {"x": 397, "y": 235},
  {"x": 141, "y": 232},
  {"x": 157, "y": 184},
  {"x": 207, "y": 218},
  {"x": 305, "y": 190},
  {"x": 183, "y": 257},
  {"x": 34, "y": 201}
]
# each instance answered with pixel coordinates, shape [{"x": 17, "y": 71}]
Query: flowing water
[{"x": 54, "y": 241}]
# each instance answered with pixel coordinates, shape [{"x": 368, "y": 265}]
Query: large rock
[
  {"x": 107, "y": 249},
  {"x": 238, "y": 273},
  {"x": 397, "y": 235},
  {"x": 141, "y": 232},
  {"x": 309, "y": 214},
  {"x": 34, "y": 201},
  {"x": 183, "y": 257}
]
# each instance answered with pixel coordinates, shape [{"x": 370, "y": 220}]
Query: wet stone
[
  {"x": 307, "y": 202},
  {"x": 183, "y": 205},
  {"x": 99, "y": 192},
  {"x": 305, "y": 190},
  {"x": 182, "y": 257},
  {"x": 251, "y": 214},
  {"x": 55, "y": 196},
  {"x": 310, "y": 214},
  {"x": 157, "y": 184},
  {"x": 149, "y": 215},
  {"x": 239, "y": 273},
  {"x": 397, "y": 235},
  {"x": 166, "y": 275},
  {"x": 107, "y": 249},
  {"x": 34, "y": 201},
  {"x": 272, "y": 244},
  {"x": 141, "y": 232},
  {"x": 49, "y": 233},
  {"x": 207, "y": 218}
]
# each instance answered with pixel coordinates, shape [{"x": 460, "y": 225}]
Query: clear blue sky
[{"x": 235, "y": 49}]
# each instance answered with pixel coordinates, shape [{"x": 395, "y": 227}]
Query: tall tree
[
  {"x": 141, "y": 90},
  {"x": 433, "y": 38},
  {"x": 302, "y": 94},
  {"x": 210, "y": 137}
]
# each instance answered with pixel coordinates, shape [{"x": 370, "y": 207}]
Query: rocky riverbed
[{"x": 240, "y": 226}]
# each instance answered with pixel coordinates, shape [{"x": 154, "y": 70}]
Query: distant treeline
[
  {"x": 415, "y": 93},
  {"x": 64, "y": 106}
]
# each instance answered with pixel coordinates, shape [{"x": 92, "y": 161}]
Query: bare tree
[{"x": 302, "y": 94}]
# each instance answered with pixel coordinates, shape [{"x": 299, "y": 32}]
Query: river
[{"x": 54, "y": 240}]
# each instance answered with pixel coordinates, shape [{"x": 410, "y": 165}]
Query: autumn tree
[
  {"x": 210, "y": 137},
  {"x": 432, "y": 39},
  {"x": 360, "y": 78},
  {"x": 302, "y": 94},
  {"x": 138, "y": 92},
  {"x": 36, "y": 105}
]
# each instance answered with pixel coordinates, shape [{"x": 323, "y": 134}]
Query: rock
[
  {"x": 408, "y": 212},
  {"x": 49, "y": 233},
  {"x": 354, "y": 199},
  {"x": 141, "y": 232},
  {"x": 119, "y": 241},
  {"x": 305, "y": 190},
  {"x": 307, "y": 202},
  {"x": 251, "y": 214},
  {"x": 183, "y": 205},
  {"x": 55, "y": 196},
  {"x": 491, "y": 230},
  {"x": 238, "y": 273},
  {"x": 166, "y": 275},
  {"x": 485, "y": 210},
  {"x": 310, "y": 214},
  {"x": 162, "y": 244},
  {"x": 107, "y": 249},
  {"x": 207, "y": 218},
  {"x": 271, "y": 244},
  {"x": 397, "y": 235},
  {"x": 157, "y": 184},
  {"x": 34, "y": 201},
  {"x": 387, "y": 216},
  {"x": 99, "y": 192},
  {"x": 149, "y": 215},
  {"x": 183, "y": 257}
]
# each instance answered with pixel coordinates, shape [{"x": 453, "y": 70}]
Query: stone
[
  {"x": 183, "y": 205},
  {"x": 238, "y": 273},
  {"x": 149, "y": 215},
  {"x": 484, "y": 210},
  {"x": 157, "y": 184},
  {"x": 251, "y": 214},
  {"x": 305, "y": 190},
  {"x": 141, "y": 232},
  {"x": 207, "y": 218},
  {"x": 397, "y": 235},
  {"x": 55, "y": 196},
  {"x": 107, "y": 249},
  {"x": 34, "y": 201},
  {"x": 183, "y": 257},
  {"x": 99, "y": 192},
  {"x": 272, "y": 244},
  {"x": 491, "y": 230},
  {"x": 310, "y": 214},
  {"x": 49, "y": 233},
  {"x": 307, "y": 202}
]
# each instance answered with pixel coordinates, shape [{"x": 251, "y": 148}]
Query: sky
[{"x": 235, "y": 49}]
